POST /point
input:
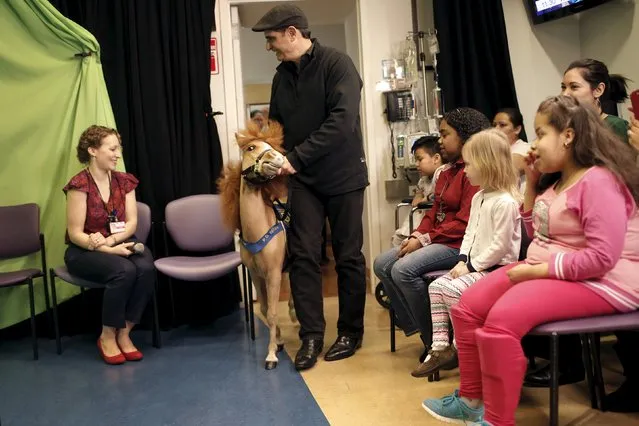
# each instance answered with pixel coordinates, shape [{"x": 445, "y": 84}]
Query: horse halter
[{"x": 251, "y": 173}]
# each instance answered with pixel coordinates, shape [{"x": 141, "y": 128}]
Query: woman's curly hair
[{"x": 92, "y": 138}]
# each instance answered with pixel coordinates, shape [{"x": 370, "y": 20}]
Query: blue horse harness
[{"x": 283, "y": 222}]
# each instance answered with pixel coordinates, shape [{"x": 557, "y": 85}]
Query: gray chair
[
  {"x": 20, "y": 236},
  {"x": 142, "y": 234},
  {"x": 589, "y": 330},
  {"x": 195, "y": 225}
]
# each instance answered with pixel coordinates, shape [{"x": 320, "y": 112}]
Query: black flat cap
[{"x": 282, "y": 16}]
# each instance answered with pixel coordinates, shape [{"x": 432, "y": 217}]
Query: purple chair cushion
[
  {"x": 198, "y": 268},
  {"x": 628, "y": 321},
  {"x": 195, "y": 223},
  {"x": 17, "y": 277},
  {"x": 19, "y": 230},
  {"x": 144, "y": 222},
  {"x": 63, "y": 273}
]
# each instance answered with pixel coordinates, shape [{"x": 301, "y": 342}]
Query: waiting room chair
[
  {"x": 195, "y": 225},
  {"x": 142, "y": 234},
  {"x": 20, "y": 236},
  {"x": 589, "y": 330}
]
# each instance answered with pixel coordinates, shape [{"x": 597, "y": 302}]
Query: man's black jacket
[{"x": 318, "y": 104}]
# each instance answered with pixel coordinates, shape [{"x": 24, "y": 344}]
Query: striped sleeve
[{"x": 526, "y": 217}]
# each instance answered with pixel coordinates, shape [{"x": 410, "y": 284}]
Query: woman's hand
[
  {"x": 122, "y": 249},
  {"x": 409, "y": 245},
  {"x": 96, "y": 240},
  {"x": 459, "y": 270},
  {"x": 525, "y": 272},
  {"x": 418, "y": 199}
]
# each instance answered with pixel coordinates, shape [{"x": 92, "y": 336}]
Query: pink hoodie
[{"x": 589, "y": 233}]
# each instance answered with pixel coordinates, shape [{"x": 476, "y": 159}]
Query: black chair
[
  {"x": 20, "y": 236},
  {"x": 142, "y": 234}
]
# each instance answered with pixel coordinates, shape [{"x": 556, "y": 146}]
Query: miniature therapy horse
[{"x": 250, "y": 202}]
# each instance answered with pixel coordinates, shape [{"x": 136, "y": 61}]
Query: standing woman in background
[
  {"x": 589, "y": 81},
  {"x": 102, "y": 219},
  {"x": 511, "y": 123}
]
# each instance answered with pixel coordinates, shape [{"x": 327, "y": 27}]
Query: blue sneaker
[{"x": 451, "y": 409}]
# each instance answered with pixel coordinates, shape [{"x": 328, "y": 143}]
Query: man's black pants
[
  {"x": 309, "y": 210},
  {"x": 129, "y": 282}
]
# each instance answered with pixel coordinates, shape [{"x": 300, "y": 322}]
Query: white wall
[
  {"x": 351, "y": 41},
  {"x": 539, "y": 55},
  {"x": 383, "y": 23},
  {"x": 258, "y": 65},
  {"x": 610, "y": 33}
]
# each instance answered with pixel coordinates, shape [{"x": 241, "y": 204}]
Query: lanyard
[
  {"x": 441, "y": 215},
  {"x": 111, "y": 212}
]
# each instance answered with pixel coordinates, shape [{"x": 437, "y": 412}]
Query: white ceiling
[{"x": 318, "y": 12}]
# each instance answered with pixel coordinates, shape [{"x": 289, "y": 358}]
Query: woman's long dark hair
[{"x": 594, "y": 144}]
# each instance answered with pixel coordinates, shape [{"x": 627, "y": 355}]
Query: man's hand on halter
[{"x": 286, "y": 168}]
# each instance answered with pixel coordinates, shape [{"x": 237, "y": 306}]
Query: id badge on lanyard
[{"x": 116, "y": 226}]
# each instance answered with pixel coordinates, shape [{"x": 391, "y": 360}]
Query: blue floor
[{"x": 209, "y": 376}]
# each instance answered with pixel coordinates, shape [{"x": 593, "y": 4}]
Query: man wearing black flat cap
[{"x": 316, "y": 97}]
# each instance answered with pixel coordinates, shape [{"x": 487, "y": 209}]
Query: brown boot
[{"x": 436, "y": 360}]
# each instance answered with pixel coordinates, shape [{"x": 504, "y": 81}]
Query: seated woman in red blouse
[{"x": 101, "y": 222}]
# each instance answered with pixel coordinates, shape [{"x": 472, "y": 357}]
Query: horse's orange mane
[{"x": 228, "y": 184}]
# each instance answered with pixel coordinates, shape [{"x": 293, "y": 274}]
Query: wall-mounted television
[{"x": 547, "y": 10}]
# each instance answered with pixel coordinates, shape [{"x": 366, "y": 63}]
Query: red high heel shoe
[
  {"x": 133, "y": 356},
  {"x": 111, "y": 360}
]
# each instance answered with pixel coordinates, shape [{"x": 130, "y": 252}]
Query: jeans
[{"x": 408, "y": 291}]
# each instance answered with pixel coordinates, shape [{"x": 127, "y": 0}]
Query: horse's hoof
[
  {"x": 280, "y": 347},
  {"x": 269, "y": 365}
]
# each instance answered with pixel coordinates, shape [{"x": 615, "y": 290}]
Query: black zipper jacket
[{"x": 318, "y": 104}]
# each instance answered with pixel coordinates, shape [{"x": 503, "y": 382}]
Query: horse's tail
[{"x": 228, "y": 186}]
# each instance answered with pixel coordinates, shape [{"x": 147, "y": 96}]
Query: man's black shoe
[
  {"x": 541, "y": 378},
  {"x": 343, "y": 347},
  {"x": 307, "y": 355}
]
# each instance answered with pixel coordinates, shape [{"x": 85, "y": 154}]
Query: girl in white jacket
[{"x": 492, "y": 238}]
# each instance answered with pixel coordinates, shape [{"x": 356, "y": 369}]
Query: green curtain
[{"x": 48, "y": 96}]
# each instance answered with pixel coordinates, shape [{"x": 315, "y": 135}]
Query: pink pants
[{"x": 490, "y": 320}]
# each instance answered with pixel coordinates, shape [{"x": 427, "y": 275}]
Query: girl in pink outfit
[{"x": 581, "y": 207}]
